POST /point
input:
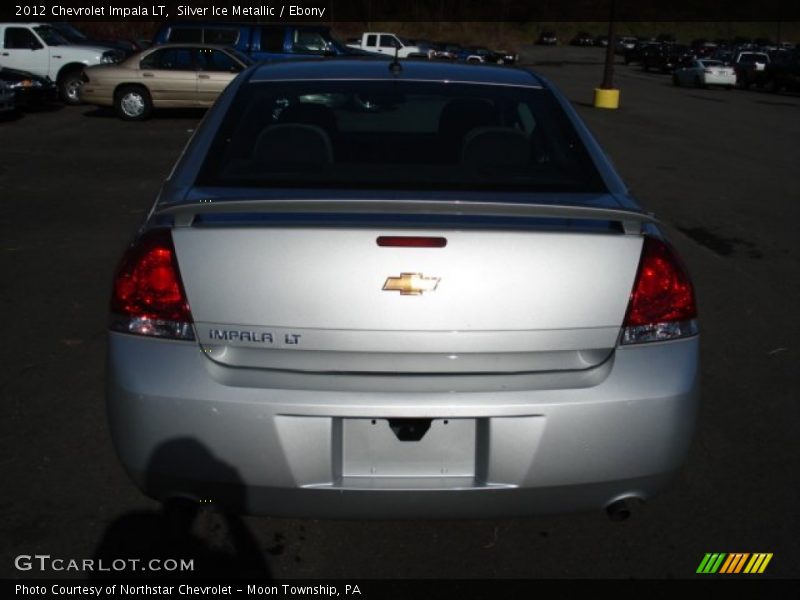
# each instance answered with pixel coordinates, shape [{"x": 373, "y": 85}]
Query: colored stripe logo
[{"x": 734, "y": 563}]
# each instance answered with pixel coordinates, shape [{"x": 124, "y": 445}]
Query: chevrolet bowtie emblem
[{"x": 410, "y": 284}]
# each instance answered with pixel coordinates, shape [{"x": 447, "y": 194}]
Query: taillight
[
  {"x": 148, "y": 297},
  {"x": 662, "y": 305}
]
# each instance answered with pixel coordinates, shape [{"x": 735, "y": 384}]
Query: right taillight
[
  {"x": 662, "y": 305},
  {"x": 148, "y": 296}
]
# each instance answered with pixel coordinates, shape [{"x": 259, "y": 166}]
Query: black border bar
[{"x": 376, "y": 11}]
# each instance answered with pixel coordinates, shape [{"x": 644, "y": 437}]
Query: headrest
[
  {"x": 495, "y": 147},
  {"x": 293, "y": 147}
]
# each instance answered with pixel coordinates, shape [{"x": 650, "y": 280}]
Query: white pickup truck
[
  {"x": 39, "y": 49},
  {"x": 389, "y": 44}
]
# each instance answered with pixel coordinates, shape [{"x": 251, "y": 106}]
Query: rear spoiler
[{"x": 630, "y": 220}]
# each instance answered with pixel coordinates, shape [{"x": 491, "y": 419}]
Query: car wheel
[
  {"x": 772, "y": 86},
  {"x": 675, "y": 81},
  {"x": 70, "y": 87},
  {"x": 698, "y": 82},
  {"x": 133, "y": 103}
]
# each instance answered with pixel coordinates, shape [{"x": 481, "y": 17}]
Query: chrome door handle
[
  {"x": 204, "y": 76},
  {"x": 147, "y": 75},
  {"x": 5, "y": 53}
]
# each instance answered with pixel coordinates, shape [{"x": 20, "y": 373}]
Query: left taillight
[{"x": 148, "y": 296}]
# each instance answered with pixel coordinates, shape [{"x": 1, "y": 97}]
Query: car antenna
[{"x": 395, "y": 67}]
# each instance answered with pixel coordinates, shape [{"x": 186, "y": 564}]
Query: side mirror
[{"x": 34, "y": 45}]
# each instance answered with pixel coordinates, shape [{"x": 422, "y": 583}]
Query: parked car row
[
  {"x": 474, "y": 54},
  {"x": 389, "y": 44},
  {"x": 722, "y": 63},
  {"x": 189, "y": 63},
  {"x": 584, "y": 38}
]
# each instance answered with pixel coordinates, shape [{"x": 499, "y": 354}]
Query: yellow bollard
[{"x": 606, "y": 98}]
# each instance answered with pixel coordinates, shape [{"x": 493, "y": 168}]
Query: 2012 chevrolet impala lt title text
[{"x": 483, "y": 320}]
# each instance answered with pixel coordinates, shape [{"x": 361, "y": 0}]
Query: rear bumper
[
  {"x": 179, "y": 430},
  {"x": 720, "y": 79}
]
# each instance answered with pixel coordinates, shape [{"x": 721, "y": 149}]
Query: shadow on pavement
[
  {"x": 157, "y": 114},
  {"x": 213, "y": 536}
]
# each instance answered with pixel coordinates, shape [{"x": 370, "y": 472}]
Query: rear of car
[
  {"x": 717, "y": 73},
  {"x": 547, "y": 38},
  {"x": 372, "y": 292}
]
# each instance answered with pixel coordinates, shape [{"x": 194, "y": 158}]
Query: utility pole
[
  {"x": 608, "y": 71},
  {"x": 606, "y": 96}
]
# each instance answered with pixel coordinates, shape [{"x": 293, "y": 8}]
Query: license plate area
[{"x": 371, "y": 448}]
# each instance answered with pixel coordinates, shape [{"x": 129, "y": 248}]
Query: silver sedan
[
  {"x": 374, "y": 289},
  {"x": 703, "y": 73}
]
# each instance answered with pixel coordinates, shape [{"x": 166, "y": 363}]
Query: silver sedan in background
[
  {"x": 704, "y": 72},
  {"x": 416, "y": 289}
]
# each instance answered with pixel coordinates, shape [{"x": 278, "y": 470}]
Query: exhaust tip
[
  {"x": 618, "y": 511},
  {"x": 622, "y": 509}
]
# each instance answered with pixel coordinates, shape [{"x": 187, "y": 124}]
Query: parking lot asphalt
[{"x": 718, "y": 167}]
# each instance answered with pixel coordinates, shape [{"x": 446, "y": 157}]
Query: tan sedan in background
[{"x": 165, "y": 76}]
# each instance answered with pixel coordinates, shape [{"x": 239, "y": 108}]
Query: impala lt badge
[{"x": 411, "y": 284}]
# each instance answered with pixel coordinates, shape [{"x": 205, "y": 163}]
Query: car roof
[
  {"x": 378, "y": 68},
  {"x": 188, "y": 45},
  {"x": 237, "y": 24}
]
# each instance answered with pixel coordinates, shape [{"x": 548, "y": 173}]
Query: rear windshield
[
  {"x": 749, "y": 58},
  {"x": 394, "y": 134}
]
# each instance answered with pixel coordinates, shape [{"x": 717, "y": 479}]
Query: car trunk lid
[{"x": 311, "y": 294}]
